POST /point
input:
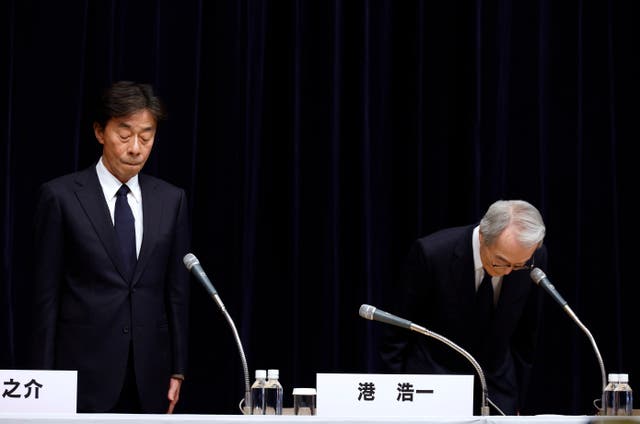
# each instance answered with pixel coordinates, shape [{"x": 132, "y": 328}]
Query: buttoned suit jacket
[
  {"x": 87, "y": 313},
  {"x": 439, "y": 294}
]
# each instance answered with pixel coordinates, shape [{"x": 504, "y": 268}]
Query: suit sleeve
[
  {"x": 178, "y": 289},
  {"x": 48, "y": 250}
]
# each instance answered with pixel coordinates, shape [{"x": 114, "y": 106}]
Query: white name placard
[
  {"x": 36, "y": 391},
  {"x": 400, "y": 395}
]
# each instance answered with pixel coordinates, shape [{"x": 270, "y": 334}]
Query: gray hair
[{"x": 521, "y": 215}]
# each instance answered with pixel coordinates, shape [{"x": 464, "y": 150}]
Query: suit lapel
[
  {"x": 463, "y": 267},
  {"x": 152, "y": 214},
  {"x": 463, "y": 275},
  {"x": 514, "y": 286},
  {"x": 91, "y": 198}
]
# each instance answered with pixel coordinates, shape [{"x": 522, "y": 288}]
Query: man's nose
[{"x": 134, "y": 146}]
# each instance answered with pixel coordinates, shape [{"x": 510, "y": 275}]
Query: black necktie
[
  {"x": 125, "y": 230},
  {"x": 484, "y": 301}
]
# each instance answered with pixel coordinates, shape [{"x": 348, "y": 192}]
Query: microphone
[
  {"x": 540, "y": 278},
  {"x": 374, "y": 314},
  {"x": 193, "y": 264}
]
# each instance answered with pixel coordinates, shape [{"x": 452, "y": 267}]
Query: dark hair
[{"x": 126, "y": 97}]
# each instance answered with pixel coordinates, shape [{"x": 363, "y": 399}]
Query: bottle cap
[
  {"x": 613, "y": 378},
  {"x": 623, "y": 378},
  {"x": 273, "y": 373},
  {"x": 304, "y": 391},
  {"x": 261, "y": 373}
]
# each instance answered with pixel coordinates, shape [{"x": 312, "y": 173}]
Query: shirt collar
[
  {"x": 475, "y": 241},
  {"x": 110, "y": 184}
]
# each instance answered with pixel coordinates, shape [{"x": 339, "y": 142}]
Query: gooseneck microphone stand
[
  {"x": 372, "y": 313},
  {"x": 247, "y": 382},
  {"x": 484, "y": 408},
  {"x": 540, "y": 278},
  {"x": 193, "y": 264}
]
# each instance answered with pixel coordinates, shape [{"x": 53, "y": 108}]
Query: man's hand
[{"x": 174, "y": 393}]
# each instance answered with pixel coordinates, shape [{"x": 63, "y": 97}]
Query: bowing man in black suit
[
  {"x": 443, "y": 292},
  {"x": 111, "y": 292}
]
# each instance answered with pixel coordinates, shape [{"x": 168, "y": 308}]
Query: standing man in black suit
[
  {"x": 111, "y": 293},
  {"x": 471, "y": 285}
]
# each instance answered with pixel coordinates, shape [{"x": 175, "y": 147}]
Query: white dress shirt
[{"x": 110, "y": 185}]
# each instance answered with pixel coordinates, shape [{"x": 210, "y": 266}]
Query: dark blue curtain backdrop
[{"x": 317, "y": 139}]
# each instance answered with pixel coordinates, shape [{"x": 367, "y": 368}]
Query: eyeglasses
[{"x": 527, "y": 265}]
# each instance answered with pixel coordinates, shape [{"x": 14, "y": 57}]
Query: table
[{"x": 14, "y": 418}]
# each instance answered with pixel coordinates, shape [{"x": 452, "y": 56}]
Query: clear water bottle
[
  {"x": 257, "y": 393},
  {"x": 623, "y": 396},
  {"x": 609, "y": 406},
  {"x": 273, "y": 394}
]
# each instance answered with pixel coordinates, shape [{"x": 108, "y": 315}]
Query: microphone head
[
  {"x": 537, "y": 275},
  {"x": 366, "y": 311},
  {"x": 190, "y": 260}
]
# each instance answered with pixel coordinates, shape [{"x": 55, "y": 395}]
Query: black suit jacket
[
  {"x": 439, "y": 294},
  {"x": 87, "y": 314}
]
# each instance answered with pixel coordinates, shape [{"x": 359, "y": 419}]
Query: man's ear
[{"x": 98, "y": 131}]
